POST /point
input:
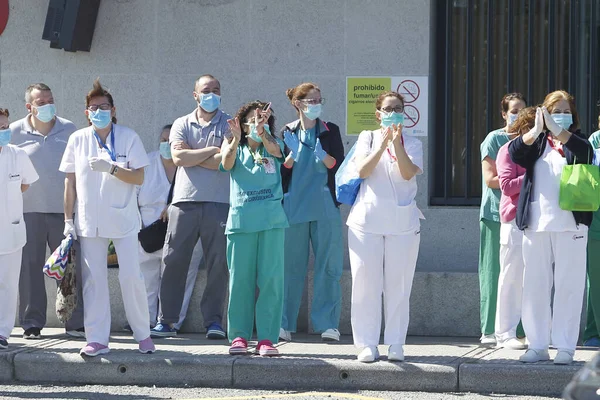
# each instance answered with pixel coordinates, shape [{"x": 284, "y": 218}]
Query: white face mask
[{"x": 511, "y": 119}]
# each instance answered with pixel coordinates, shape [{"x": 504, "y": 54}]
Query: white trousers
[
  {"x": 96, "y": 300},
  {"x": 381, "y": 265},
  {"x": 567, "y": 250},
  {"x": 510, "y": 282},
  {"x": 152, "y": 269},
  {"x": 10, "y": 270}
]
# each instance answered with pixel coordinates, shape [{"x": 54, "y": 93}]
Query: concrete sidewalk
[{"x": 432, "y": 364}]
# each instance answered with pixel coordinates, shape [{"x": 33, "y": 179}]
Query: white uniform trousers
[
  {"x": 510, "y": 282},
  {"x": 567, "y": 250},
  {"x": 10, "y": 270},
  {"x": 152, "y": 269},
  {"x": 96, "y": 300},
  {"x": 381, "y": 265}
]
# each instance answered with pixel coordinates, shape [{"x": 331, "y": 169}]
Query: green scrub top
[
  {"x": 594, "y": 231},
  {"x": 255, "y": 192},
  {"x": 308, "y": 197},
  {"x": 490, "y": 198}
]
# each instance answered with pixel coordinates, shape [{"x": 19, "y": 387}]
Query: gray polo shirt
[
  {"x": 45, "y": 152},
  {"x": 198, "y": 184}
]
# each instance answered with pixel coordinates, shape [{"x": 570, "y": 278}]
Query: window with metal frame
[{"x": 483, "y": 49}]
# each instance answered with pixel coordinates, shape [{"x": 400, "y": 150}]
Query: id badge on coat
[{"x": 269, "y": 164}]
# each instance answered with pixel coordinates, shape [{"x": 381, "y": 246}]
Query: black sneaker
[
  {"x": 76, "y": 333},
  {"x": 3, "y": 343},
  {"x": 32, "y": 333}
]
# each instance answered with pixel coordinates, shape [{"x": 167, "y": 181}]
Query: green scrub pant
[
  {"x": 489, "y": 271},
  {"x": 593, "y": 290},
  {"x": 327, "y": 243},
  {"x": 255, "y": 260}
]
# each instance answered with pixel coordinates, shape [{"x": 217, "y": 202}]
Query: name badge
[{"x": 269, "y": 164}]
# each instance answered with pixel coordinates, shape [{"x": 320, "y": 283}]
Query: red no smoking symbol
[
  {"x": 411, "y": 116},
  {"x": 409, "y": 90}
]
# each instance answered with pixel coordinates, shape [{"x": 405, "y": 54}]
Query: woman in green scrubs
[
  {"x": 255, "y": 229},
  {"x": 314, "y": 153}
]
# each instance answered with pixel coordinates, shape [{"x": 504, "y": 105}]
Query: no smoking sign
[
  {"x": 409, "y": 90},
  {"x": 411, "y": 116}
]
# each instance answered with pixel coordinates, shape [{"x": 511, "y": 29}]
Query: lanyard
[
  {"x": 560, "y": 150},
  {"x": 112, "y": 153}
]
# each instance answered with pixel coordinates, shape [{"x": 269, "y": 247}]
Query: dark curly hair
[{"x": 249, "y": 108}]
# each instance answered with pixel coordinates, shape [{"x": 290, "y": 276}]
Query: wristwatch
[{"x": 114, "y": 169}]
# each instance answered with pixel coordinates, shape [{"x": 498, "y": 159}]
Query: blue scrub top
[
  {"x": 255, "y": 192},
  {"x": 308, "y": 197}
]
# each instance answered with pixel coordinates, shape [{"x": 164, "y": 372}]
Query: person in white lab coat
[
  {"x": 104, "y": 162},
  {"x": 16, "y": 174},
  {"x": 152, "y": 201},
  {"x": 384, "y": 230}
]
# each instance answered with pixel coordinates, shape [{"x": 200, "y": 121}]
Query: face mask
[
  {"x": 254, "y": 133},
  {"x": 209, "y": 102},
  {"x": 5, "y": 135},
  {"x": 512, "y": 118},
  {"x": 563, "y": 120},
  {"x": 392, "y": 118},
  {"x": 100, "y": 118},
  {"x": 165, "y": 150},
  {"x": 46, "y": 113},
  {"x": 313, "y": 111}
]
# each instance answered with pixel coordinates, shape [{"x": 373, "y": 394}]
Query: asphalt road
[{"x": 97, "y": 392}]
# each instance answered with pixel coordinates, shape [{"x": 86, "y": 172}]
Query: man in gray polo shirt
[
  {"x": 44, "y": 137},
  {"x": 199, "y": 210}
]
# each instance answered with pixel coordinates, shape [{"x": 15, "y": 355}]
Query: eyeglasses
[
  {"x": 103, "y": 106},
  {"x": 313, "y": 101},
  {"x": 399, "y": 109}
]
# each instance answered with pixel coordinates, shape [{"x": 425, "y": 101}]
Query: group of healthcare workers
[
  {"x": 529, "y": 245},
  {"x": 233, "y": 192}
]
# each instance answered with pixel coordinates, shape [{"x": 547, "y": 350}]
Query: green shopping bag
[{"x": 580, "y": 188}]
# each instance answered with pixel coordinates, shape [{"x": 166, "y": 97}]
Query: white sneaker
[
  {"x": 488, "y": 339},
  {"x": 331, "y": 335},
  {"x": 368, "y": 354},
  {"x": 396, "y": 353},
  {"x": 285, "y": 335},
  {"x": 532, "y": 356},
  {"x": 512, "y": 343},
  {"x": 563, "y": 357}
]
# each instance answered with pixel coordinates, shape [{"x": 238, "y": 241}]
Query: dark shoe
[
  {"x": 32, "y": 334},
  {"x": 592, "y": 342},
  {"x": 76, "y": 333},
  {"x": 163, "y": 330},
  {"x": 214, "y": 331},
  {"x": 3, "y": 343}
]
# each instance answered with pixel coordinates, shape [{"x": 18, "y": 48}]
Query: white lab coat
[
  {"x": 106, "y": 208},
  {"x": 16, "y": 169},
  {"x": 383, "y": 240}
]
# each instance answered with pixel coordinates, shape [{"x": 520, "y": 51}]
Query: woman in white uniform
[
  {"x": 384, "y": 231},
  {"x": 551, "y": 235},
  {"x": 152, "y": 201},
  {"x": 104, "y": 163},
  {"x": 16, "y": 174}
]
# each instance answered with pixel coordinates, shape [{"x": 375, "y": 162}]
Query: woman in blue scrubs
[{"x": 314, "y": 151}]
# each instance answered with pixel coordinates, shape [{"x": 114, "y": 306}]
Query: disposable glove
[
  {"x": 70, "y": 229},
  {"x": 99, "y": 165},
  {"x": 292, "y": 142}
]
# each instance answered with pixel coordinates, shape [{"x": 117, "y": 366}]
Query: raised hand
[
  {"x": 235, "y": 128},
  {"x": 386, "y": 136},
  {"x": 397, "y": 134},
  {"x": 292, "y": 142},
  {"x": 319, "y": 152},
  {"x": 99, "y": 165},
  {"x": 550, "y": 123}
]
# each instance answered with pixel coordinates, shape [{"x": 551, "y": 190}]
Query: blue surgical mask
[
  {"x": 209, "y": 102},
  {"x": 313, "y": 111},
  {"x": 392, "y": 118},
  {"x": 100, "y": 118},
  {"x": 46, "y": 113},
  {"x": 5, "y": 135},
  {"x": 254, "y": 133},
  {"x": 512, "y": 118},
  {"x": 563, "y": 120},
  {"x": 165, "y": 150}
]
